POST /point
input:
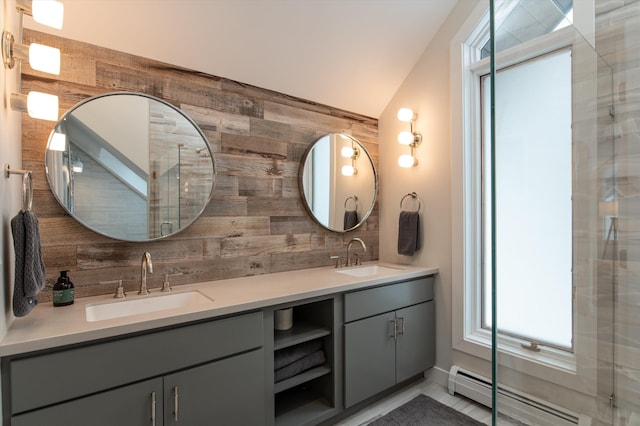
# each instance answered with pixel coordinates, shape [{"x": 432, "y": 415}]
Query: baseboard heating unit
[{"x": 512, "y": 403}]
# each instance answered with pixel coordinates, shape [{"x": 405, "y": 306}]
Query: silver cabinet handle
[
  {"x": 153, "y": 408},
  {"x": 175, "y": 403},
  {"x": 394, "y": 329},
  {"x": 401, "y": 329}
]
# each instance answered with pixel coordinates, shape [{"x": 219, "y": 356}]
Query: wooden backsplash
[{"x": 255, "y": 223}]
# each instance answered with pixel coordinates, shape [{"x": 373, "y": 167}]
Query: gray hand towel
[
  {"x": 350, "y": 219},
  {"x": 408, "y": 233},
  {"x": 291, "y": 354},
  {"x": 303, "y": 364},
  {"x": 29, "y": 267}
]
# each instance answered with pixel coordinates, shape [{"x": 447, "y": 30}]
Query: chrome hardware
[
  {"x": 145, "y": 266},
  {"x": 175, "y": 403},
  {"x": 402, "y": 329},
  {"x": 119, "y": 294},
  {"x": 531, "y": 346},
  {"x": 166, "y": 286},
  {"x": 153, "y": 408},
  {"x": 337, "y": 259},
  {"x": 354, "y": 240},
  {"x": 395, "y": 329}
]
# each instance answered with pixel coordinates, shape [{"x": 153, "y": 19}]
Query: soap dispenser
[{"x": 63, "y": 290}]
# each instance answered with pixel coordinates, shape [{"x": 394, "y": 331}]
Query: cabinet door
[
  {"x": 416, "y": 340},
  {"x": 227, "y": 392},
  {"x": 126, "y": 406},
  {"x": 369, "y": 357}
]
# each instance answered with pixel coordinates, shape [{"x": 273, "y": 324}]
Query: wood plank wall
[{"x": 255, "y": 222}]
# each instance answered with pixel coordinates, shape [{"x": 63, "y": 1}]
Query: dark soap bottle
[{"x": 63, "y": 290}]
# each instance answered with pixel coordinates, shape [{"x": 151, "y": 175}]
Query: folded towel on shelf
[
  {"x": 286, "y": 356},
  {"x": 408, "y": 233},
  {"x": 303, "y": 364},
  {"x": 30, "y": 272},
  {"x": 350, "y": 219}
]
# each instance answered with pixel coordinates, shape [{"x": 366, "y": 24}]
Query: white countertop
[{"x": 47, "y": 327}]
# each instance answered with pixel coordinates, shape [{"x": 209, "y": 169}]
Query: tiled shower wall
[
  {"x": 618, "y": 42},
  {"x": 255, "y": 222}
]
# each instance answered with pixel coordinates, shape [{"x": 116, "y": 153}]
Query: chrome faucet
[
  {"x": 364, "y": 247},
  {"x": 146, "y": 265}
]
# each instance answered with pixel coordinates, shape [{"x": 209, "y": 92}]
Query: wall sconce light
[
  {"x": 45, "y": 12},
  {"x": 42, "y": 58},
  {"x": 37, "y": 104},
  {"x": 58, "y": 142},
  {"x": 77, "y": 166},
  {"x": 411, "y": 138},
  {"x": 350, "y": 152}
]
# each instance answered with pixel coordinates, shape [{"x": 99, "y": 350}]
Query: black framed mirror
[
  {"x": 130, "y": 166},
  {"x": 338, "y": 182}
]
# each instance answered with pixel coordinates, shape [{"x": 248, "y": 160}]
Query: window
[{"x": 533, "y": 208}]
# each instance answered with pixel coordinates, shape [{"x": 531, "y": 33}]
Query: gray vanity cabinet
[
  {"x": 389, "y": 337},
  {"x": 216, "y": 367},
  {"x": 130, "y": 405},
  {"x": 227, "y": 392}
]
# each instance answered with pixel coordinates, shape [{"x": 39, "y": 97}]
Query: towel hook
[
  {"x": 355, "y": 200},
  {"x": 415, "y": 197},
  {"x": 27, "y": 185}
]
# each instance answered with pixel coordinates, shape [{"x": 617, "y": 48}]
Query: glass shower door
[{"x": 551, "y": 218}]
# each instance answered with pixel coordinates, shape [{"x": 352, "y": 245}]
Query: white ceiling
[{"x": 349, "y": 54}]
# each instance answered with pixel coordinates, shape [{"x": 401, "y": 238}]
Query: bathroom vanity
[{"x": 214, "y": 361}]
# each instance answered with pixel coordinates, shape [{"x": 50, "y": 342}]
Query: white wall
[
  {"x": 426, "y": 90},
  {"x": 10, "y": 153}
]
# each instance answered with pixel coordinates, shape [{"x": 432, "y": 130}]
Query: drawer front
[
  {"x": 50, "y": 378},
  {"x": 374, "y": 301}
]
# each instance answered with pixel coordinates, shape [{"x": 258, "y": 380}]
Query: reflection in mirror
[
  {"x": 130, "y": 166},
  {"x": 338, "y": 182}
]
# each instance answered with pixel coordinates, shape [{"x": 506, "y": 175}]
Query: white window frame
[{"x": 570, "y": 370}]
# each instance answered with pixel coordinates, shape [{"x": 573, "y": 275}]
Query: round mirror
[
  {"x": 338, "y": 182},
  {"x": 130, "y": 166}
]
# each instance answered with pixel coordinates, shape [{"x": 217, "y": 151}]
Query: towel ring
[
  {"x": 415, "y": 197},
  {"x": 27, "y": 185},
  {"x": 355, "y": 200}
]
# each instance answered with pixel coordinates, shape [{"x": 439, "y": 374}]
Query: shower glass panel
[{"x": 556, "y": 216}]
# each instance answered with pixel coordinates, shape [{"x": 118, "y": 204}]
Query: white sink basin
[
  {"x": 366, "y": 271},
  {"x": 137, "y": 305}
]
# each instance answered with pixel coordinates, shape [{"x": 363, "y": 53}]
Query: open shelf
[
  {"x": 302, "y": 406},
  {"x": 301, "y": 332},
  {"x": 303, "y": 377},
  {"x": 309, "y": 396}
]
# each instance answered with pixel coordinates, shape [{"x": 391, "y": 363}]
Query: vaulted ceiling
[{"x": 349, "y": 54}]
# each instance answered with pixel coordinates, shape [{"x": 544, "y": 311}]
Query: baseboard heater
[{"x": 518, "y": 405}]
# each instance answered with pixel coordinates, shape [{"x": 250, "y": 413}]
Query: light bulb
[
  {"x": 406, "y": 161},
  {"x": 405, "y": 114},
  {"x": 348, "y": 170},
  {"x": 58, "y": 142},
  {"x": 77, "y": 166},
  {"x": 48, "y": 12},
  {"x": 405, "y": 138},
  {"x": 347, "y": 152},
  {"x": 43, "y": 106},
  {"x": 44, "y": 58}
]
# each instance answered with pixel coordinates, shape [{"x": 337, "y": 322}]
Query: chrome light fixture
[
  {"x": 40, "y": 57},
  {"x": 411, "y": 138},
  {"x": 350, "y": 152}
]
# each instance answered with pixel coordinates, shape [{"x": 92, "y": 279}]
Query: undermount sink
[
  {"x": 366, "y": 271},
  {"x": 143, "y": 305}
]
